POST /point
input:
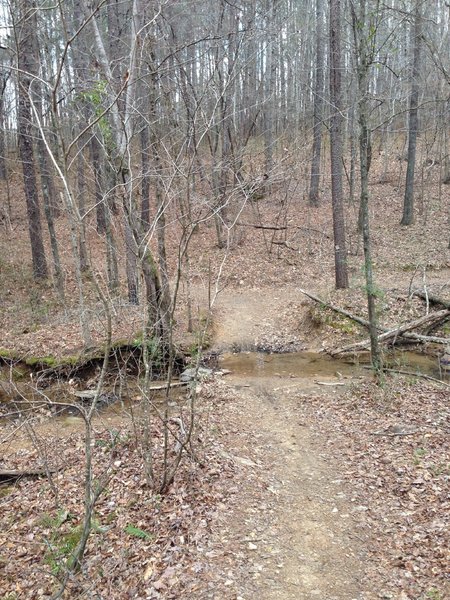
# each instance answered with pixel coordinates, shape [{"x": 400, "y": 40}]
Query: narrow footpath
[{"x": 289, "y": 527}]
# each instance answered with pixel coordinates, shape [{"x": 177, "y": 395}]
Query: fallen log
[
  {"x": 90, "y": 394},
  {"x": 439, "y": 316},
  {"x": 408, "y": 335},
  {"x": 13, "y": 475},
  {"x": 283, "y": 228},
  {"x": 432, "y": 299},
  {"x": 340, "y": 311},
  {"x": 419, "y": 337},
  {"x": 163, "y": 386}
]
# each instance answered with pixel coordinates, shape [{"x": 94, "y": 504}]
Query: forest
[{"x": 225, "y": 299}]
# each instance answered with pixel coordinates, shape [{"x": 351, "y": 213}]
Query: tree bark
[
  {"x": 340, "y": 250},
  {"x": 269, "y": 100},
  {"x": 413, "y": 125},
  {"x": 4, "y": 75},
  {"x": 27, "y": 66},
  {"x": 364, "y": 59},
  {"x": 318, "y": 109},
  {"x": 145, "y": 166},
  {"x": 94, "y": 148}
]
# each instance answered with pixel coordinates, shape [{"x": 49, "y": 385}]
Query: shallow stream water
[{"x": 313, "y": 364}]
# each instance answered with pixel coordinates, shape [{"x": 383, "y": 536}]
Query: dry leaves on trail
[{"x": 394, "y": 444}]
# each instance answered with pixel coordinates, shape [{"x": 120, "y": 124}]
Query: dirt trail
[
  {"x": 292, "y": 520},
  {"x": 258, "y": 317}
]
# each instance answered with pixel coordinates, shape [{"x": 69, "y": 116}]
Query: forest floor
[{"x": 304, "y": 484}]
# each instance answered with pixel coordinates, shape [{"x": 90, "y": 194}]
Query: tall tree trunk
[
  {"x": 4, "y": 74},
  {"x": 145, "y": 166},
  {"x": 111, "y": 253},
  {"x": 340, "y": 251},
  {"x": 131, "y": 260},
  {"x": 81, "y": 192},
  {"x": 318, "y": 108},
  {"x": 94, "y": 148},
  {"x": 413, "y": 117},
  {"x": 4, "y": 175},
  {"x": 45, "y": 170},
  {"x": 270, "y": 79},
  {"x": 48, "y": 196},
  {"x": 27, "y": 67},
  {"x": 364, "y": 59}
]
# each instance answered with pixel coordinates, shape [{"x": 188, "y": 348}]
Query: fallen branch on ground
[
  {"x": 283, "y": 228},
  {"x": 340, "y": 311},
  {"x": 433, "y": 318},
  {"x": 407, "y": 335},
  {"x": 90, "y": 394},
  {"x": 286, "y": 245}
]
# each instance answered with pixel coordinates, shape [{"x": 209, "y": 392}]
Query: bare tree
[{"x": 364, "y": 30}]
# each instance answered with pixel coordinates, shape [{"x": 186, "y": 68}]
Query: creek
[
  {"x": 26, "y": 395},
  {"x": 313, "y": 364}
]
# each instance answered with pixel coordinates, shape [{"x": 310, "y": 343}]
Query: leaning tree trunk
[
  {"x": 340, "y": 251},
  {"x": 27, "y": 67},
  {"x": 408, "y": 202}
]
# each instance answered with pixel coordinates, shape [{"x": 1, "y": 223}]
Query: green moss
[
  {"x": 408, "y": 268},
  {"x": 4, "y": 491},
  {"x": 20, "y": 362},
  {"x": 61, "y": 548},
  {"x": 345, "y": 325},
  {"x": 70, "y": 360},
  {"x": 8, "y": 354},
  {"x": 53, "y": 362},
  {"x": 62, "y": 544},
  {"x": 322, "y": 315},
  {"x": 47, "y": 361},
  {"x": 123, "y": 342}
]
